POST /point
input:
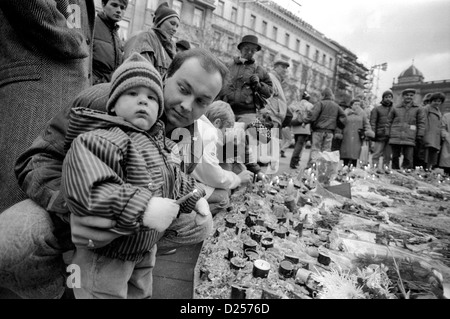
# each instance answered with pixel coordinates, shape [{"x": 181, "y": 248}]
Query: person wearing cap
[
  {"x": 300, "y": 129},
  {"x": 182, "y": 45},
  {"x": 36, "y": 242},
  {"x": 433, "y": 128},
  {"x": 156, "y": 44},
  {"x": 108, "y": 47},
  {"x": 406, "y": 125},
  {"x": 419, "y": 149},
  {"x": 277, "y": 104},
  {"x": 248, "y": 86},
  {"x": 379, "y": 122}
]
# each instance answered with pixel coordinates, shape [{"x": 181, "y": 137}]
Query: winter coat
[
  {"x": 325, "y": 115},
  {"x": 154, "y": 45},
  {"x": 433, "y": 123},
  {"x": 379, "y": 122},
  {"x": 45, "y": 62},
  {"x": 112, "y": 169},
  {"x": 239, "y": 93},
  {"x": 351, "y": 140},
  {"x": 406, "y": 123},
  {"x": 444, "y": 158},
  {"x": 300, "y": 112},
  {"x": 108, "y": 49},
  {"x": 277, "y": 104}
]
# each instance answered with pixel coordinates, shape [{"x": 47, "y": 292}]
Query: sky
[{"x": 398, "y": 32}]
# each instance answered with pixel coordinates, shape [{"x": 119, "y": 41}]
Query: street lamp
[{"x": 382, "y": 66}]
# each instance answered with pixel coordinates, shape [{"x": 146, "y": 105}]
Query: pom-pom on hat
[
  {"x": 162, "y": 13},
  {"x": 135, "y": 71}
]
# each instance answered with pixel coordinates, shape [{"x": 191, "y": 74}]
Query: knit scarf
[
  {"x": 386, "y": 103},
  {"x": 166, "y": 42}
]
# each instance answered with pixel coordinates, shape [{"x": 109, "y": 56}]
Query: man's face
[
  {"x": 281, "y": 70},
  {"x": 408, "y": 97},
  {"x": 248, "y": 50},
  {"x": 114, "y": 10},
  {"x": 188, "y": 93},
  {"x": 387, "y": 98}
]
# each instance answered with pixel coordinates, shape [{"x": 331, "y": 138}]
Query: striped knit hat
[
  {"x": 135, "y": 71},
  {"x": 162, "y": 13}
]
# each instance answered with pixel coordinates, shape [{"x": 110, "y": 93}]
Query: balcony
[{"x": 209, "y": 4}]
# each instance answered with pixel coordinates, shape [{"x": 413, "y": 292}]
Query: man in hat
[
  {"x": 406, "y": 125},
  {"x": 277, "y": 103},
  {"x": 378, "y": 122},
  {"x": 419, "y": 149},
  {"x": 108, "y": 47},
  {"x": 249, "y": 84},
  {"x": 182, "y": 45}
]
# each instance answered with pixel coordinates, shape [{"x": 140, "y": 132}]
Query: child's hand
[
  {"x": 203, "y": 212},
  {"x": 246, "y": 177},
  {"x": 160, "y": 213}
]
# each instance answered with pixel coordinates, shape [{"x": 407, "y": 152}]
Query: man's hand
[
  {"x": 246, "y": 177},
  {"x": 160, "y": 213},
  {"x": 92, "y": 228}
]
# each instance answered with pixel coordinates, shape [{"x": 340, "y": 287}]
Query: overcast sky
[{"x": 392, "y": 31}]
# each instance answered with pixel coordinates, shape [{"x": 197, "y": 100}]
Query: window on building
[
  {"x": 151, "y": 4},
  {"x": 297, "y": 45},
  {"x": 216, "y": 39},
  {"x": 308, "y": 47},
  {"x": 324, "y": 59},
  {"x": 252, "y": 22},
  {"x": 264, "y": 28},
  {"x": 198, "y": 18},
  {"x": 123, "y": 30},
  {"x": 294, "y": 69},
  {"x": 260, "y": 59},
  {"x": 177, "y": 5},
  {"x": 316, "y": 56},
  {"x": 234, "y": 14},
  {"x": 331, "y": 63},
  {"x": 287, "y": 38},
  {"x": 271, "y": 58},
  {"x": 220, "y": 8},
  {"x": 274, "y": 33},
  {"x": 230, "y": 43}
]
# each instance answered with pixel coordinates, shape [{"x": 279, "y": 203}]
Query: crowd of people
[{"x": 126, "y": 151}]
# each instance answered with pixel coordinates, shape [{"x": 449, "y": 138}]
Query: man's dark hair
[
  {"x": 207, "y": 60},
  {"x": 124, "y": 2}
]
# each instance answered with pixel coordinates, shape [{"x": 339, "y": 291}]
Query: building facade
[{"x": 413, "y": 78}]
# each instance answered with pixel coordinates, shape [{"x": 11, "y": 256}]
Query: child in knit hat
[{"x": 121, "y": 166}]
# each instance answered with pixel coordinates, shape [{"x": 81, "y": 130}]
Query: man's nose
[{"x": 188, "y": 104}]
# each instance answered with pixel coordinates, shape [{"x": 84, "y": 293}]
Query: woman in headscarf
[
  {"x": 354, "y": 133},
  {"x": 156, "y": 44}
]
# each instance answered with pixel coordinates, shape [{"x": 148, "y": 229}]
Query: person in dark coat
[
  {"x": 108, "y": 47},
  {"x": 45, "y": 61},
  {"x": 419, "y": 149},
  {"x": 406, "y": 125},
  {"x": 378, "y": 122},
  {"x": 325, "y": 117},
  {"x": 433, "y": 128}
]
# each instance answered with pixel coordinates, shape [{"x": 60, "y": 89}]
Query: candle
[{"x": 186, "y": 197}]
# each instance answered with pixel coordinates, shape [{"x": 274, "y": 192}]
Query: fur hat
[
  {"x": 408, "y": 91},
  {"x": 387, "y": 92},
  {"x": 162, "y": 13},
  {"x": 249, "y": 39},
  {"x": 135, "y": 71}
]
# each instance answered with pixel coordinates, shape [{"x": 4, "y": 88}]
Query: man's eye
[{"x": 183, "y": 89}]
